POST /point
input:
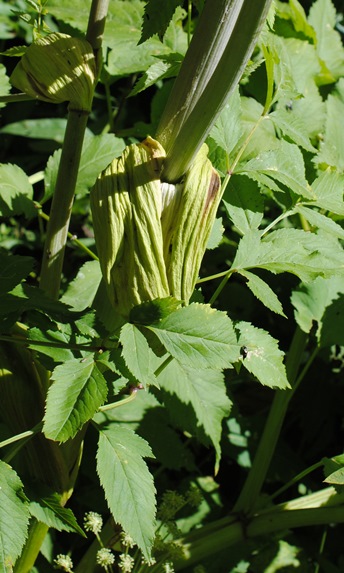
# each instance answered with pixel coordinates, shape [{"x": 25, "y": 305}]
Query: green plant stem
[
  {"x": 322, "y": 507},
  {"x": 296, "y": 479},
  {"x": 257, "y": 474},
  {"x": 68, "y": 170},
  {"x": 37, "y": 533},
  {"x": 12, "y": 98},
  {"x": 220, "y": 48},
  {"x": 73, "y": 238}
]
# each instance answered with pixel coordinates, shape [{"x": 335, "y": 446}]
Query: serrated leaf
[
  {"x": 201, "y": 404},
  {"x": 310, "y": 301},
  {"x": 137, "y": 354},
  {"x": 307, "y": 255},
  {"x": 128, "y": 484},
  {"x": 258, "y": 135},
  {"x": 228, "y": 127},
  {"x": 157, "y": 17},
  {"x": 331, "y": 151},
  {"x": 15, "y": 51},
  {"x": 14, "y": 517},
  {"x": 49, "y": 337},
  {"x": 244, "y": 203},
  {"x": 329, "y": 191},
  {"x": 292, "y": 126},
  {"x": 322, "y": 16},
  {"x": 263, "y": 358},
  {"x": 16, "y": 192},
  {"x": 199, "y": 337},
  {"x": 48, "y": 510},
  {"x": 167, "y": 67},
  {"x": 320, "y": 221},
  {"x": 5, "y": 85},
  {"x": 283, "y": 165},
  {"x": 82, "y": 290},
  {"x": 263, "y": 292},
  {"x": 122, "y": 34},
  {"x": 216, "y": 234},
  {"x": 77, "y": 391},
  {"x": 97, "y": 152},
  {"x": 13, "y": 269}
]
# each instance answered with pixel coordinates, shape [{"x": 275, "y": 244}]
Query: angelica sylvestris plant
[{"x": 171, "y": 234}]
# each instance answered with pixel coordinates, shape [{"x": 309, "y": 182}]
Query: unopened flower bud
[
  {"x": 126, "y": 208},
  {"x": 151, "y": 236},
  {"x": 187, "y": 221},
  {"x": 58, "y": 68}
]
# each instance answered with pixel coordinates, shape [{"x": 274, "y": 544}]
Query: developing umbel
[
  {"x": 151, "y": 236},
  {"x": 58, "y": 68}
]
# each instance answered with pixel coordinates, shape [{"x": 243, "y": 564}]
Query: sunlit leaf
[
  {"x": 262, "y": 357},
  {"x": 127, "y": 483}
]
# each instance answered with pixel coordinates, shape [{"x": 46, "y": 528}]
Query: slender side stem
[
  {"x": 68, "y": 170},
  {"x": 272, "y": 430},
  {"x": 62, "y": 203},
  {"x": 323, "y": 507}
]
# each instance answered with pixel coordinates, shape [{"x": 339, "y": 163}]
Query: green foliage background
[{"x": 274, "y": 266}]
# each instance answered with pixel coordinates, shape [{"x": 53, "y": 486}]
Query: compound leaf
[{"x": 128, "y": 484}]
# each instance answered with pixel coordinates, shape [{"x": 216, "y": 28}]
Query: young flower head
[
  {"x": 151, "y": 236},
  {"x": 93, "y": 522},
  {"x": 64, "y": 562},
  {"x": 126, "y": 563},
  {"x": 105, "y": 557},
  {"x": 58, "y": 68}
]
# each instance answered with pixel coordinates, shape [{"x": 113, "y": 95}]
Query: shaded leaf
[
  {"x": 44, "y": 128},
  {"x": 82, "y": 290},
  {"x": 48, "y": 510},
  {"x": 137, "y": 354},
  {"x": 244, "y": 203},
  {"x": 197, "y": 401},
  {"x": 263, "y": 358},
  {"x": 127, "y": 483},
  {"x": 13, "y": 269},
  {"x": 310, "y": 303},
  {"x": 97, "y": 152},
  {"x": 16, "y": 192}
]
